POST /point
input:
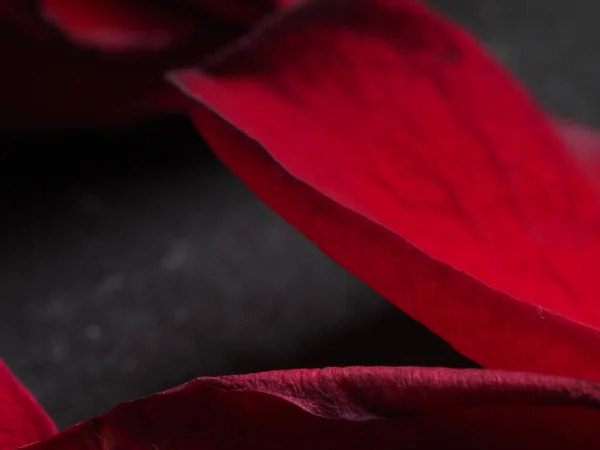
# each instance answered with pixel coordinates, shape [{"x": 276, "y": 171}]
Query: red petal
[
  {"x": 49, "y": 84},
  {"x": 356, "y": 408},
  {"x": 126, "y": 25},
  {"x": 118, "y": 25},
  {"x": 390, "y": 139},
  {"x": 22, "y": 419},
  {"x": 239, "y": 11},
  {"x": 50, "y": 88}
]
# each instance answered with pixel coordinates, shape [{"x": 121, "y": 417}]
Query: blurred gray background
[{"x": 144, "y": 263}]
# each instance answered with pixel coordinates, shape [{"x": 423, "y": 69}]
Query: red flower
[{"x": 391, "y": 140}]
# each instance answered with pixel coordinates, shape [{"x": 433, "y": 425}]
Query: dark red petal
[
  {"x": 22, "y": 419},
  {"x": 126, "y": 25},
  {"x": 239, "y": 11},
  {"x": 48, "y": 83},
  {"x": 54, "y": 88},
  {"x": 355, "y": 408},
  {"x": 120, "y": 25},
  {"x": 390, "y": 139}
]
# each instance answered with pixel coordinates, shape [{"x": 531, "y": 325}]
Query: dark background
[{"x": 148, "y": 264}]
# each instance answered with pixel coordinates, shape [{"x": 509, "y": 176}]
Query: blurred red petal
[
  {"x": 239, "y": 11},
  {"x": 390, "y": 139},
  {"x": 355, "y": 408},
  {"x": 119, "y": 25},
  {"x": 22, "y": 419},
  {"x": 54, "y": 88},
  {"x": 109, "y": 72}
]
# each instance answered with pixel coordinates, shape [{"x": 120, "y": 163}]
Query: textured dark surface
[{"x": 131, "y": 263}]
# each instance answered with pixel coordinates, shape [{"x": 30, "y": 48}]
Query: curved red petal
[
  {"x": 22, "y": 419},
  {"x": 391, "y": 140},
  {"x": 354, "y": 408}
]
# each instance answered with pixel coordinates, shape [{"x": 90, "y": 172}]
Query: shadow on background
[{"x": 133, "y": 262}]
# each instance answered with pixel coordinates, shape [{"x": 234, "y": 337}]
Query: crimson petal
[
  {"x": 22, "y": 419},
  {"x": 388, "y": 137},
  {"x": 353, "y": 408}
]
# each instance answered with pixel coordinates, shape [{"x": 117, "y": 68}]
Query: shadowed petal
[{"x": 354, "y": 408}]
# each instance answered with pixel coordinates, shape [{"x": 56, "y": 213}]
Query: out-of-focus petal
[
  {"x": 130, "y": 25},
  {"x": 240, "y": 11},
  {"x": 389, "y": 138},
  {"x": 120, "y": 25},
  {"x": 52, "y": 88},
  {"x": 101, "y": 63},
  {"x": 355, "y": 408},
  {"x": 22, "y": 419}
]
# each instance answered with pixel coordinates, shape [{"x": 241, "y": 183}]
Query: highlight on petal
[
  {"x": 389, "y": 138},
  {"x": 354, "y": 408},
  {"x": 22, "y": 419},
  {"x": 120, "y": 25}
]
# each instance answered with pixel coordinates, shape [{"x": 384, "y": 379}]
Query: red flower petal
[
  {"x": 22, "y": 419},
  {"x": 390, "y": 139},
  {"x": 51, "y": 83},
  {"x": 239, "y": 11},
  {"x": 355, "y": 408},
  {"x": 53, "y": 88},
  {"x": 118, "y": 25}
]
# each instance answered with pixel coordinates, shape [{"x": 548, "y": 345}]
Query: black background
[{"x": 144, "y": 263}]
